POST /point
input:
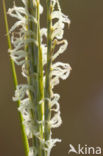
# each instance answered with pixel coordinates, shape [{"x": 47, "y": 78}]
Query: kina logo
[{"x": 85, "y": 150}]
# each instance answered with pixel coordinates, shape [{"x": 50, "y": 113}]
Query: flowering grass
[{"x": 38, "y": 105}]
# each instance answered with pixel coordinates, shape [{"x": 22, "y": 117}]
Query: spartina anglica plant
[{"x": 38, "y": 105}]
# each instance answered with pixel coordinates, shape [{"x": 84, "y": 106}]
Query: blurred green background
[{"x": 81, "y": 94}]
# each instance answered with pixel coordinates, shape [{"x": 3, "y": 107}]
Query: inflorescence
[{"x": 22, "y": 37}]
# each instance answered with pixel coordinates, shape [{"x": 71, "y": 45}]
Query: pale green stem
[
  {"x": 25, "y": 140},
  {"x": 35, "y": 67},
  {"x": 48, "y": 72},
  {"x": 40, "y": 81},
  {"x": 32, "y": 65}
]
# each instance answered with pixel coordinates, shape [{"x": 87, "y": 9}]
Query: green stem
[
  {"x": 32, "y": 68},
  {"x": 40, "y": 80},
  {"x": 25, "y": 140},
  {"x": 48, "y": 72},
  {"x": 35, "y": 67}
]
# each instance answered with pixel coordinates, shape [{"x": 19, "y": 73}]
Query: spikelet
[
  {"x": 19, "y": 55},
  {"x": 59, "y": 70}
]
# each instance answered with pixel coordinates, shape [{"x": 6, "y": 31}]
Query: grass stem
[{"x": 25, "y": 140}]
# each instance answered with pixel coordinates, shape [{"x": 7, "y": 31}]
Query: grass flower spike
[
  {"x": 54, "y": 70},
  {"x": 39, "y": 105}
]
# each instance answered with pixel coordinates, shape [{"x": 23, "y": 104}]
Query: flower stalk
[
  {"x": 48, "y": 71},
  {"x": 38, "y": 103},
  {"x": 25, "y": 140}
]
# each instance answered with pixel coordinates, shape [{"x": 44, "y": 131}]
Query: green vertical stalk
[
  {"x": 32, "y": 65},
  {"x": 40, "y": 81},
  {"x": 48, "y": 71},
  {"x": 25, "y": 140},
  {"x": 40, "y": 69},
  {"x": 35, "y": 67}
]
